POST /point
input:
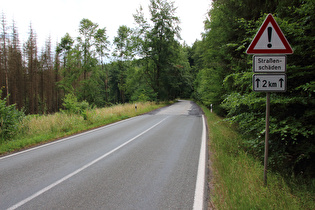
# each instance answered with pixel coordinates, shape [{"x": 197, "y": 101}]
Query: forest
[{"x": 150, "y": 64}]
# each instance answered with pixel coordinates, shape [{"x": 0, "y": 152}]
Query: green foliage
[
  {"x": 238, "y": 176},
  {"x": 144, "y": 95},
  {"x": 224, "y": 79},
  {"x": 37, "y": 129},
  {"x": 10, "y": 118},
  {"x": 123, "y": 43},
  {"x": 82, "y": 73},
  {"x": 164, "y": 61},
  {"x": 289, "y": 148},
  {"x": 72, "y": 106}
]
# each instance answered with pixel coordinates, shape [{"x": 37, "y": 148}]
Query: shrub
[
  {"x": 72, "y": 106},
  {"x": 10, "y": 118}
]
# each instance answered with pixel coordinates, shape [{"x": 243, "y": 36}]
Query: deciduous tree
[{"x": 159, "y": 44}]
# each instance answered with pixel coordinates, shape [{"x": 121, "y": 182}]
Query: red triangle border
[{"x": 269, "y": 19}]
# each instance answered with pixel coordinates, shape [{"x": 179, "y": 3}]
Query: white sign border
[{"x": 270, "y": 91}]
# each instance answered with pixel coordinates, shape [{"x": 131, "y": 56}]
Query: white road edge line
[
  {"x": 79, "y": 170},
  {"x": 65, "y": 139},
  {"x": 200, "y": 182}
]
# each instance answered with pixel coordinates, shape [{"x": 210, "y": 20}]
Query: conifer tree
[
  {"x": 4, "y": 57},
  {"x": 15, "y": 65},
  {"x": 30, "y": 51}
]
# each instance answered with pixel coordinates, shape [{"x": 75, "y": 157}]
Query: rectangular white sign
[
  {"x": 269, "y": 82},
  {"x": 269, "y": 63}
]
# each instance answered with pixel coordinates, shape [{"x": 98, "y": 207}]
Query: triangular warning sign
[{"x": 269, "y": 39}]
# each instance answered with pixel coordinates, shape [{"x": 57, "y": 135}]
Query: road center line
[
  {"x": 200, "y": 182},
  {"x": 79, "y": 170},
  {"x": 65, "y": 139}
]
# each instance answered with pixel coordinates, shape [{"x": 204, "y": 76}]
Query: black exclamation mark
[{"x": 269, "y": 37}]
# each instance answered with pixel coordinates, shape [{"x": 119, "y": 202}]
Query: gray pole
[{"x": 266, "y": 136}]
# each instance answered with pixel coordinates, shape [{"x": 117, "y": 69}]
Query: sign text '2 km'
[{"x": 269, "y": 82}]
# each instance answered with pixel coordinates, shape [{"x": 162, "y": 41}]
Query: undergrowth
[
  {"x": 37, "y": 129},
  {"x": 238, "y": 176}
]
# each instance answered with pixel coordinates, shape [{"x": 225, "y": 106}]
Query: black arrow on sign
[
  {"x": 257, "y": 80},
  {"x": 281, "y": 81}
]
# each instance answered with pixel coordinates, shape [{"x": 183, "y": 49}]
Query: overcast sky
[{"x": 58, "y": 17}]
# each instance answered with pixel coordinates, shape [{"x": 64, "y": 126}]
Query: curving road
[{"x": 153, "y": 161}]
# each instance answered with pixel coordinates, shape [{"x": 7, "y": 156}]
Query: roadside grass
[
  {"x": 38, "y": 129},
  {"x": 238, "y": 176}
]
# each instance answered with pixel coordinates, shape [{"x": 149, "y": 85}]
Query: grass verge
[
  {"x": 36, "y": 129},
  {"x": 238, "y": 177}
]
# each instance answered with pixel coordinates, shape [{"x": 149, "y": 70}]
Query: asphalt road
[{"x": 151, "y": 161}]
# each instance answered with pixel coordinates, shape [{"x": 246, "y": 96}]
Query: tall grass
[
  {"x": 36, "y": 129},
  {"x": 238, "y": 177}
]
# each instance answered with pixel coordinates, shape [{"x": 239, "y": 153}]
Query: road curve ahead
[{"x": 151, "y": 161}]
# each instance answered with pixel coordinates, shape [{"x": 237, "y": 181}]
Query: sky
[{"x": 55, "y": 18}]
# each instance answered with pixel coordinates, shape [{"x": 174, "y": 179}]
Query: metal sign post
[
  {"x": 271, "y": 45},
  {"x": 267, "y": 136}
]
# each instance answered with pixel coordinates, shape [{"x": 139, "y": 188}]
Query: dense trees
[
  {"x": 123, "y": 52},
  {"x": 160, "y": 49},
  {"x": 225, "y": 73},
  {"x": 149, "y": 63}
]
